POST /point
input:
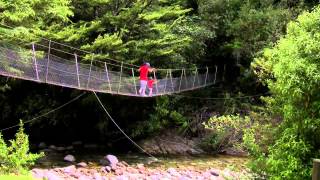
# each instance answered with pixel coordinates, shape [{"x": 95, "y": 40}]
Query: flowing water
[
  {"x": 93, "y": 159},
  {"x": 196, "y": 162}
]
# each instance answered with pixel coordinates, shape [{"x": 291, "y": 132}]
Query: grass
[{"x": 15, "y": 177}]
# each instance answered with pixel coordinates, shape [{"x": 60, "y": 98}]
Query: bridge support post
[
  {"x": 89, "y": 72},
  {"x": 35, "y": 61},
  {"x": 166, "y": 79},
  {"x": 181, "y": 79},
  {"x": 134, "y": 81},
  {"x": 120, "y": 77},
  {"x": 185, "y": 78},
  {"x": 207, "y": 72},
  {"x": 155, "y": 78},
  {"x": 194, "y": 79},
  {"x": 316, "y": 169},
  {"x": 215, "y": 74},
  {"x": 77, "y": 68},
  {"x": 47, "y": 70},
  {"x": 108, "y": 79},
  {"x": 172, "y": 87}
]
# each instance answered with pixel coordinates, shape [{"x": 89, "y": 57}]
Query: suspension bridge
[{"x": 46, "y": 63}]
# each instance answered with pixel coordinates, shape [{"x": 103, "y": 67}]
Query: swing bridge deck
[{"x": 41, "y": 66}]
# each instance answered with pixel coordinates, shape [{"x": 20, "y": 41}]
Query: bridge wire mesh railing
[{"x": 44, "y": 64}]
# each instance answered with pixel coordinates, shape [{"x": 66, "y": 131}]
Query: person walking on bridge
[
  {"x": 144, "y": 70},
  {"x": 150, "y": 83}
]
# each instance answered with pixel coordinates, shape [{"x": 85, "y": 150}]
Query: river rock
[
  {"x": 91, "y": 146},
  {"x": 108, "y": 168},
  {"x": 42, "y": 145},
  {"x": 46, "y": 150},
  {"x": 69, "y": 169},
  {"x": 118, "y": 171},
  {"x": 184, "y": 178},
  {"x": 104, "y": 169},
  {"x": 61, "y": 148},
  {"x": 170, "y": 142},
  {"x": 77, "y": 143},
  {"x": 69, "y": 147},
  {"x": 69, "y": 158},
  {"x": 52, "y": 176},
  {"x": 104, "y": 162},
  {"x": 141, "y": 168},
  {"x": 173, "y": 172},
  {"x": 192, "y": 151},
  {"x": 82, "y": 164},
  {"x": 124, "y": 163},
  {"x": 214, "y": 172},
  {"x": 83, "y": 177},
  {"x": 132, "y": 170},
  {"x": 113, "y": 160},
  {"x": 53, "y": 147},
  {"x": 122, "y": 177}
]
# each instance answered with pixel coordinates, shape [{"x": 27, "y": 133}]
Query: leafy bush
[
  {"x": 226, "y": 132},
  {"x": 164, "y": 116},
  {"x": 291, "y": 71},
  {"x": 16, "y": 157}
]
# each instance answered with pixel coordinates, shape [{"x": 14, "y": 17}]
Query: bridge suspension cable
[{"x": 47, "y": 113}]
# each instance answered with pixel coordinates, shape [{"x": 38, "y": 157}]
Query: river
[{"x": 163, "y": 166}]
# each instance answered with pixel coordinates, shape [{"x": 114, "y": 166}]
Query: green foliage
[
  {"x": 291, "y": 71},
  {"x": 16, "y": 177},
  {"x": 164, "y": 116},
  {"x": 245, "y": 26},
  {"x": 136, "y": 31},
  {"x": 226, "y": 132},
  {"x": 290, "y": 157},
  {"x": 255, "y": 28},
  {"x": 30, "y": 11},
  {"x": 16, "y": 158},
  {"x": 242, "y": 29},
  {"x": 233, "y": 105}
]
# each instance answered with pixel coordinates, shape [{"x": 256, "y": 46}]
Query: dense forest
[{"x": 268, "y": 51}]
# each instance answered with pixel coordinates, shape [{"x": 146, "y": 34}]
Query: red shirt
[
  {"x": 144, "y": 72},
  {"x": 150, "y": 83}
]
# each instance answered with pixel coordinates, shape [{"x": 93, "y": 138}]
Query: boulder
[
  {"x": 113, "y": 160},
  {"x": 170, "y": 142},
  {"x": 69, "y": 158}
]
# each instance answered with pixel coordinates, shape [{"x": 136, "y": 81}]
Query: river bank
[{"x": 96, "y": 165}]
